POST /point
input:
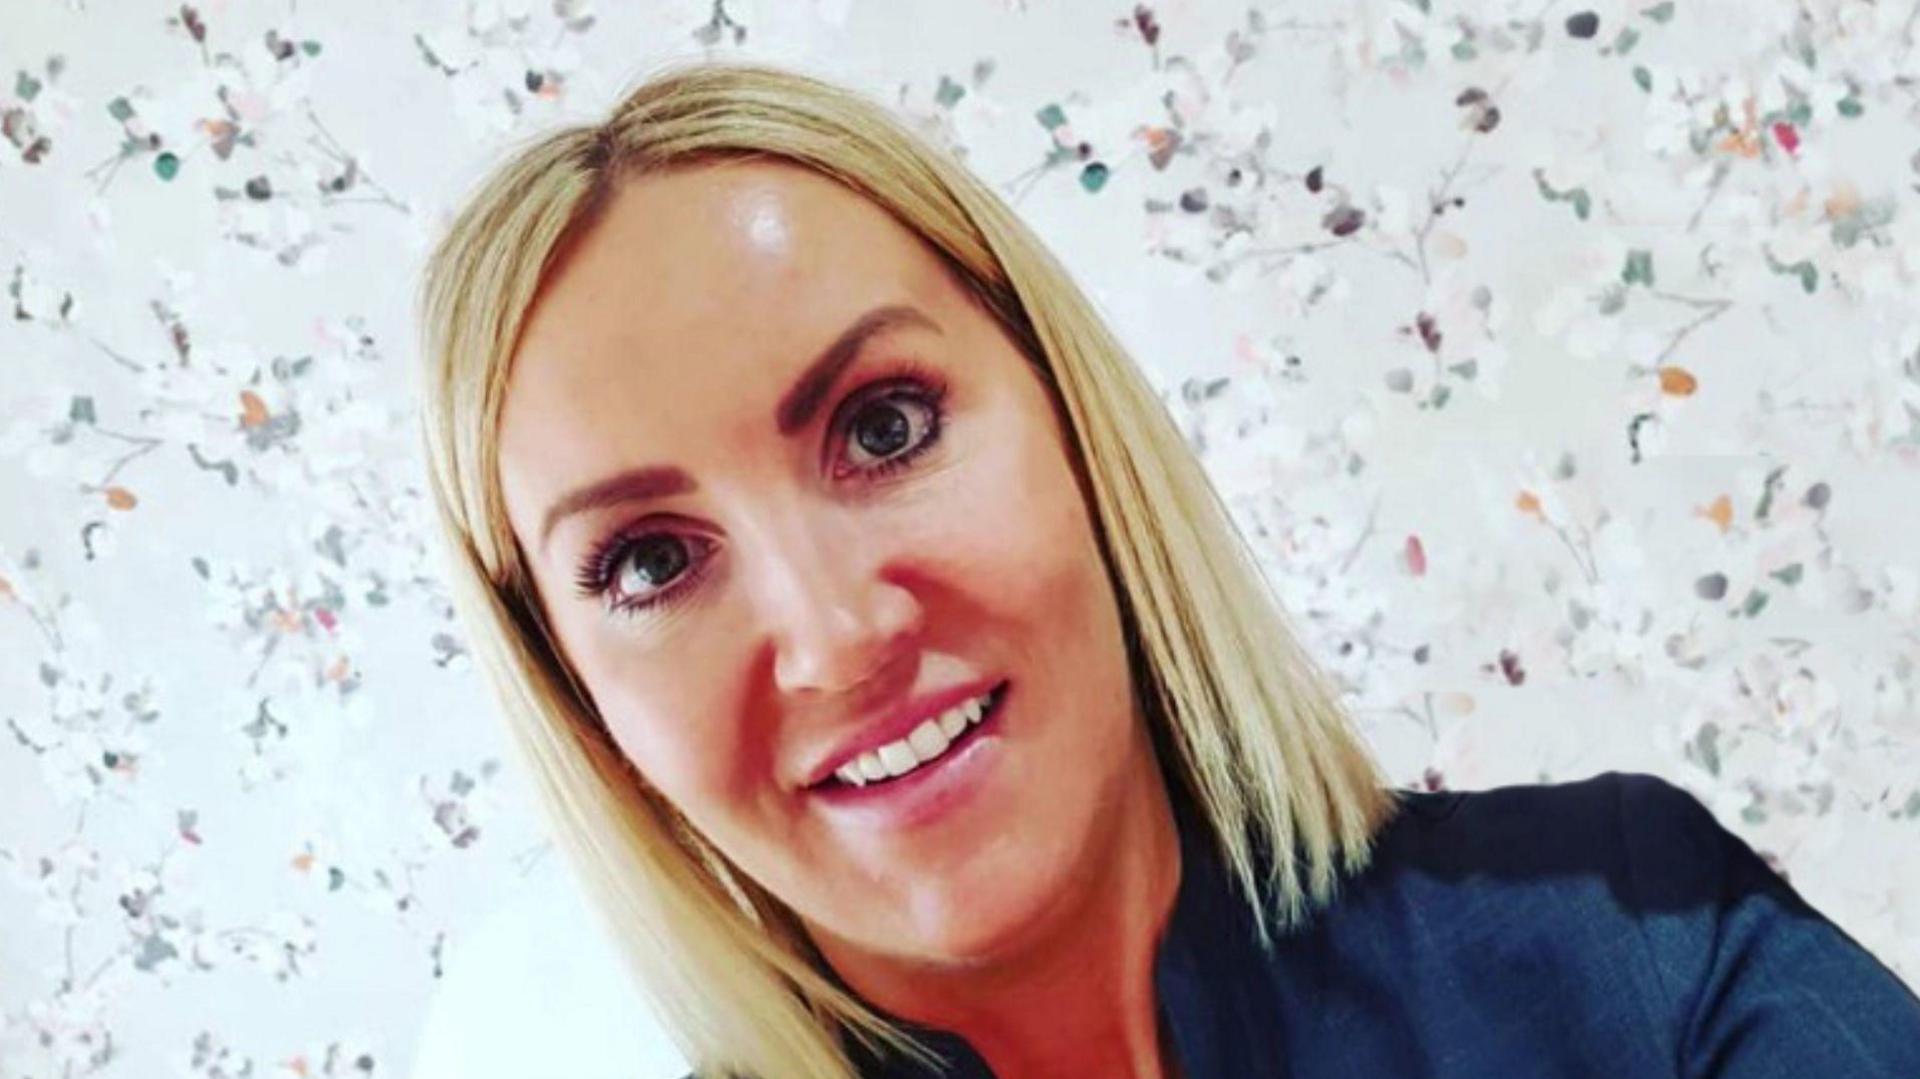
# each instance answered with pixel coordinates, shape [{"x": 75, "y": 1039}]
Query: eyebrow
[{"x": 796, "y": 410}]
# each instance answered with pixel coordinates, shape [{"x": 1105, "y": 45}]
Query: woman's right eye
[{"x": 637, "y": 572}]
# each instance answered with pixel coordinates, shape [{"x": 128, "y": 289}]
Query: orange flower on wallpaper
[
  {"x": 253, "y": 411},
  {"x": 1677, "y": 381},
  {"x": 1720, "y": 512},
  {"x": 1745, "y": 141}
]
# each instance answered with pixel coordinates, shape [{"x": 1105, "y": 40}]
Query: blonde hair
[{"x": 1246, "y": 726}]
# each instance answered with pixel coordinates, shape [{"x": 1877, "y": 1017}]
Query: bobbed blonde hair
[{"x": 1247, "y": 729}]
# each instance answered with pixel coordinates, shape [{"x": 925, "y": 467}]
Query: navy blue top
[{"x": 1607, "y": 927}]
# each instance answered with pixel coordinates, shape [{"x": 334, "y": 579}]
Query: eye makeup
[{"x": 917, "y": 385}]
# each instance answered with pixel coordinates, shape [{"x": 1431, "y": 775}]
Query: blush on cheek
[
  {"x": 696, "y": 750},
  {"x": 657, "y": 748}
]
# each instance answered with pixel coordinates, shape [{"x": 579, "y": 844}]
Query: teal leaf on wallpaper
[
  {"x": 1643, "y": 78},
  {"x": 1413, "y": 52},
  {"x": 1639, "y": 268},
  {"x": 949, "y": 92},
  {"x": 25, "y": 86},
  {"x": 1051, "y": 116},
  {"x": 310, "y": 47},
  {"x": 1787, "y": 575},
  {"x": 1804, "y": 269},
  {"x": 227, "y": 469},
  {"x": 331, "y": 545},
  {"x": 432, "y": 59},
  {"x": 1704, "y": 747},
  {"x": 154, "y": 950},
  {"x": 1768, "y": 489},
  {"x": 120, "y": 109},
  {"x": 1850, "y": 107},
  {"x": 1094, "y": 176},
  {"x": 1801, "y": 42},
  {"x": 1463, "y": 50},
  {"x": 1868, "y": 216},
  {"x": 1661, "y": 12},
  {"x": 1624, "y": 42},
  {"x": 1582, "y": 202},
  {"x": 166, "y": 165}
]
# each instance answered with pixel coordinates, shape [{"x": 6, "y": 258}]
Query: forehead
[
  {"x": 677, "y": 320},
  {"x": 714, "y": 255}
]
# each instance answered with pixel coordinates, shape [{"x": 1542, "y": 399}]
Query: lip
[{"x": 897, "y": 724}]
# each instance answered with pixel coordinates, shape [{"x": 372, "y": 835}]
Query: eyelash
[{"x": 907, "y": 380}]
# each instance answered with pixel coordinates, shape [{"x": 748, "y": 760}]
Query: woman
[{"x": 908, "y": 701}]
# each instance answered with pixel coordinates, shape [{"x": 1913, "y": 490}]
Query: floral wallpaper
[{"x": 1560, "y": 359}]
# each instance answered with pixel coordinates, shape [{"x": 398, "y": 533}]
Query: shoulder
[
  {"x": 1618, "y": 872},
  {"x": 1585, "y": 825},
  {"x": 1590, "y": 801},
  {"x": 1487, "y": 899},
  {"x": 1552, "y": 865},
  {"x": 1654, "y": 843}
]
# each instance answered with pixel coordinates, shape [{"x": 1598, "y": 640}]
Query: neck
[{"x": 1082, "y": 1002}]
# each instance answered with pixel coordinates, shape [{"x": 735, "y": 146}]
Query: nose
[{"x": 835, "y": 618}]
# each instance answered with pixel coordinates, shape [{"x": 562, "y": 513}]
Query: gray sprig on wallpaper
[{"x": 1560, "y": 362}]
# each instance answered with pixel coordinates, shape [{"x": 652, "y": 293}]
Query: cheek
[
  {"x": 1011, "y": 525},
  {"x": 676, "y": 727}
]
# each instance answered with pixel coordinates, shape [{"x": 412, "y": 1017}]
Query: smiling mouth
[{"x": 840, "y": 788}]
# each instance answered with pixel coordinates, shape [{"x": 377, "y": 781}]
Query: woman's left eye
[
  {"x": 879, "y": 426},
  {"x": 889, "y": 422}
]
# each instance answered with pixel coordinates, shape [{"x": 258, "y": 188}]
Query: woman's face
[{"x": 782, "y": 487}]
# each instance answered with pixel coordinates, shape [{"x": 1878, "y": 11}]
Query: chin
[{"x": 975, "y": 925}]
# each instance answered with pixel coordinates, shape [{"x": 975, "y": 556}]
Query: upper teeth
[{"x": 927, "y": 741}]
